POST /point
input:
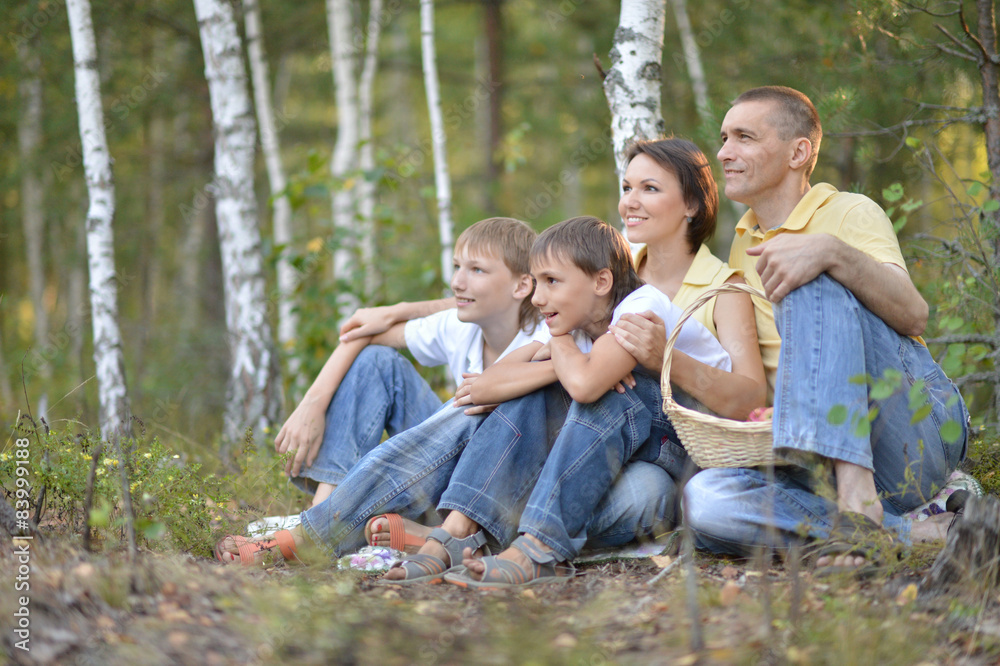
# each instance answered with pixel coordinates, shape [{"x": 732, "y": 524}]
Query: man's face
[{"x": 754, "y": 158}]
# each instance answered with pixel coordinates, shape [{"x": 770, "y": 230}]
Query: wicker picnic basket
[{"x": 713, "y": 441}]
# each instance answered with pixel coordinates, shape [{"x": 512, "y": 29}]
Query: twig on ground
[{"x": 88, "y": 499}]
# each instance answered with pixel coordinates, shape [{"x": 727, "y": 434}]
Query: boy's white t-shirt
[
  {"x": 694, "y": 340},
  {"x": 442, "y": 339}
]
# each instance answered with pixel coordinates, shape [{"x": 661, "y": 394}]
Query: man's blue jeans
[
  {"x": 830, "y": 343},
  {"x": 381, "y": 392},
  {"x": 486, "y": 467}
]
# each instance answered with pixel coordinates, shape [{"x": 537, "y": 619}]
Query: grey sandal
[
  {"x": 545, "y": 568},
  {"x": 423, "y": 568}
]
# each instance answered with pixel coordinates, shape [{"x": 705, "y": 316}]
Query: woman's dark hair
[
  {"x": 591, "y": 244},
  {"x": 694, "y": 173}
]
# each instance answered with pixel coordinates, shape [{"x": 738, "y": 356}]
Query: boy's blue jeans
[
  {"x": 381, "y": 391},
  {"x": 829, "y": 340},
  {"x": 486, "y": 466}
]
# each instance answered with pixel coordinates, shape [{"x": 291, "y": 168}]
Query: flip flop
[
  {"x": 247, "y": 548},
  {"x": 423, "y": 568},
  {"x": 858, "y": 535},
  {"x": 399, "y": 538},
  {"x": 501, "y": 574}
]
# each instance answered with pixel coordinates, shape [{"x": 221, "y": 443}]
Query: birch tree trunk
[
  {"x": 366, "y": 186},
  {"x": 345, "y": 151},
  {"x": 442, "y": 181},
  {"x": 114, "y": 416},
  {"x": 692, "y": 57},
  {"x": 271, "y": 146},
  {"x": 632, "y": 85},
  {"x": 29, "y": 136},
  {"x": 253, "y": 396}
]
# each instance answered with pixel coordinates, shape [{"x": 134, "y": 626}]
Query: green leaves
[{"x": 837, "y": 415}]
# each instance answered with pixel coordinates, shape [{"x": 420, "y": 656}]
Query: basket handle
[{"x": 727, "y": 288}]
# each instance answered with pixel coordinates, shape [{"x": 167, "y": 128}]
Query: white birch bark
[
  {"x": 345, "y": 150},
  {"x": 692, "y": 57},
  {"x": 632, "y": 85},
  {"x": 253, "y": 394},
  {"x": 29, "y": 137},
  {"x": 114, "y": 416},
  {"x": 366, "y": 187},
  {"x": 271, "y": 147},
  {"x": 442, "y": 181}
]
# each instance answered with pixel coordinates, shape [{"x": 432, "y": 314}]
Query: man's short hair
[
  {"x": 796, "y": 116},
  {"x": 510, "y": 240}
]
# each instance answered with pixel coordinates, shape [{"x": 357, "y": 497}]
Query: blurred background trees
[{"x": 527, "y": 128}]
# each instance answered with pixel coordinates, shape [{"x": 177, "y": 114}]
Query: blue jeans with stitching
[{"x": 830, "y": 343}]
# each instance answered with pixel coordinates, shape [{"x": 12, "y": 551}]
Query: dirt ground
[{"x": 177, "y": 609}]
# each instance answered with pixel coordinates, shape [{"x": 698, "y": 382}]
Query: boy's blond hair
[{"x": 510, "y": 240}]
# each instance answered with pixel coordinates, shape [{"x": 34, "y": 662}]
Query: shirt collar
[
  {"x": 799, "y": 217},
  {"x": 703, "y": 268}
]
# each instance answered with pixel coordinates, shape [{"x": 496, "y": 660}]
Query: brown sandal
[{"x": 248, "y": 549}]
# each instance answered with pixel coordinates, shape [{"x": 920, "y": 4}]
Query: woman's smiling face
[{"x": 652, "y": 204}]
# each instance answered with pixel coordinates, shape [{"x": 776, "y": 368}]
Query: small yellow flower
[
  {"x": 4, "y": 456},
  {"x": 147, "y": 455},
  {"x": 176, "y": 457},
  {"x": 315, "y": 245}
]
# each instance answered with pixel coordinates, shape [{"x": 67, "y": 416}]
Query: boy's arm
[
  {"x": 373, "y": 321},
  {"x": 513, "y": 376},
  {"x": 586, "y": 377},
  {"x": 303, "y": 431}
]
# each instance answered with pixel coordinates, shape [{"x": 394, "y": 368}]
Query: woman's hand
[
  {"x": 463, "y": 396},
  {"x": 643, "y": 336},
  {"x": 302, "y": 434}
]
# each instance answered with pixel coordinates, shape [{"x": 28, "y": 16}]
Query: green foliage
[{"x": 172, "y": 499}]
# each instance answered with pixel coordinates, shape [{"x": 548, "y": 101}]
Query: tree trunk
[
  {"x": 108, "y": 356},
  {"x": 6, "y": 392},
  {"x": 345, "y": 150},
  {"x": 29, "y": 137},
  {"x": 442, "y": 181},
  {"x": 366, "y": 186},
  {"x": 271, "y": 147},
  {"x": 989, "y": 74},
  {"x": 493, "y": 26},
  {"x": 253, "y": 396},
  {"x": 632, "y": 85},
  {"x": 692, "y": 58}
]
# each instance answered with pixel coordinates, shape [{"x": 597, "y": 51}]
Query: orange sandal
[
  {"x": 399, "y": 538},
  {"x": 248, "y": 548}
]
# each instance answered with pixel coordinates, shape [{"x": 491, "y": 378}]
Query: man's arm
[
  {"x": 372, "y": 321},
  {"x": 789, "y": 261}
]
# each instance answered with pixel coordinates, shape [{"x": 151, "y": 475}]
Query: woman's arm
[
  {"x": 513, "y": 376},
  {"x": 587, "y": 377}
]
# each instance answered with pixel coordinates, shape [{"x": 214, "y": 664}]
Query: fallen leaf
[
  {"x": 908, "y": 595},
  {"x": 730, "y": 573},
  {"x": 564, "y": 640},
  {"x": 177, "y": 638},
  {"x": 169, "y": 589},
  {"x": 730, "y": 591},
  {"x": 688, "y": 660},
  {"x": 529, "y": 593},
  {"x": 662, "y": 561},
  {"x": 84, "y": 570}
]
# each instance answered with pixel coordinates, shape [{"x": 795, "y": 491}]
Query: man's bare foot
[
  {"x": 474, "y": 566},
  {"x": 323, "y": 491},
  {"x": 457, "y": 525},
  {"x": 228, "y": 550}
]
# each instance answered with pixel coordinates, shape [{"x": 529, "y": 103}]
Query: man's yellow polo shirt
[
  {"x": 706, "y": 271},
  {"x": 853, "y": 218}
]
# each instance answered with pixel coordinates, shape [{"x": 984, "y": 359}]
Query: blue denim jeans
[
  {"x": 381, "y": 392},
  {"x": 829, "y": 340},
  {"x": 406, "y": 474}
]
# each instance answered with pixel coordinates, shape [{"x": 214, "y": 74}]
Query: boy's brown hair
[
  {"x": 591, "y": 244},
  {"x": 511, "y": 240}
]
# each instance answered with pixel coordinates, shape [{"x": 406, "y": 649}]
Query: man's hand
[
  {"x": 643, "y": 336},
  {"x": 789, "y": 261},
  {"x": 302, "y": 434},
  {"x": 367, "y": 322},
  {"x": 463, "y": 396}
]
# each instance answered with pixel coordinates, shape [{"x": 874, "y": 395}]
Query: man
[{"x": 844, "y": 308}]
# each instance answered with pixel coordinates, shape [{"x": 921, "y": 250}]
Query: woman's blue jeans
[{"x": 834, "y": 353}]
